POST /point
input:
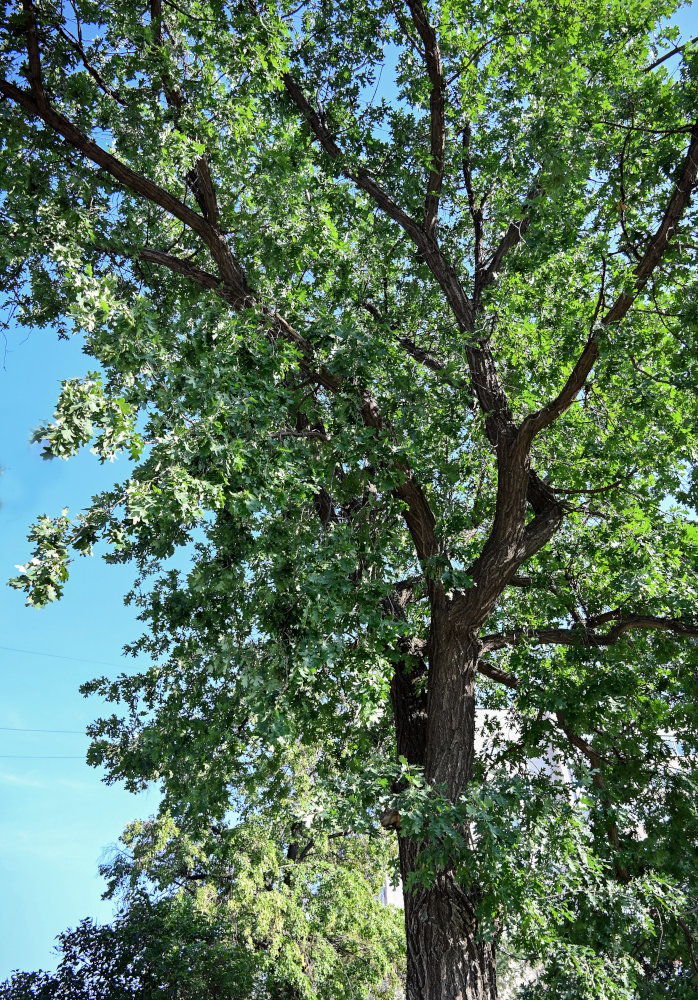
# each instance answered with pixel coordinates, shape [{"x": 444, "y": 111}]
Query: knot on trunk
[{"x": 390, "y": 819}]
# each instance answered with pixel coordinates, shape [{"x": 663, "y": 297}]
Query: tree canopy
[
  {"x": 393, "y": 311},
  {"x": 244, "y": 913}
]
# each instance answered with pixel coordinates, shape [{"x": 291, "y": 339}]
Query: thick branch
[
  {"x": 658, "y": 245},
  {"x": 424, "y": 241},
  {"x": 40, "y": 108},
  {"x": 437, "y": 127},
  {"x": 361, "y": 178},
  {"x": 495, "y": 674},
  {"x": 587, "y": 635}
]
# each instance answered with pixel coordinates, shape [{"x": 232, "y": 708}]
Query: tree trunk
[{"x": 446, "y": 957}]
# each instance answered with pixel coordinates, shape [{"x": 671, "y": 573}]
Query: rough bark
[{"x": 446, "y": 956}]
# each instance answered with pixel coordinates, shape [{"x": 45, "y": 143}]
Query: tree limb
[
  {"x": 678, "y": 202},
  {"x": 668, "y": 55},
  {"x": 437, "y": 128},
  {"x": 425, "y": 357},
  {"x": 512, "y": 237},
  {"x": 587, "y": 634}
]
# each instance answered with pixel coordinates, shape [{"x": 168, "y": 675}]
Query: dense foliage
[
  {"x": 235, "y": 916},
  {"x": 393, "y": 310}
]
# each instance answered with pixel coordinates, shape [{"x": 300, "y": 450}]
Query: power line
[
  {"x": 22, "y": 756},
  {"x": 17, "y": 729},
  {"x": 59, "y": 656}
]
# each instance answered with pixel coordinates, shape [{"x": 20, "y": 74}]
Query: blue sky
[{"x": 56, "y": 817}]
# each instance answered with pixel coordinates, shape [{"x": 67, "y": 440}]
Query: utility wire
[
  {"x": 17, "y": 729},
  {"x": 21, "y": 756},
  {"x": 58, "y": 656}
]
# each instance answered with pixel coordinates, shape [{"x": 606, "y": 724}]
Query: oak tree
[{"x": 393, "y": 309}]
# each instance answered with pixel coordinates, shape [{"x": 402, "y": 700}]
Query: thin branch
[
  {"x": 76, "y": 44},
  {"x": 513, "y": 236},
  {"x": 425, "y": 242},
  {"x": 425, "y": 357},
  {"x": 475, "y": 210},
  {"x": 596, "y": 490},
  {"x": 686, "y": 929},
  {"x": 623, "y": 204},
  {"x": 188, "y": 270},
  {"x": 307, "y": 434},
  {"x": 668, "y": 55},
  {"x": 361, "y": 178}
]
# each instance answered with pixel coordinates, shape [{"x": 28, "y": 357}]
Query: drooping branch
[
  {"x": 437, "y": 120},
  {"x": 417, "y": 513},
  {"x": 596, "y": 761}
]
